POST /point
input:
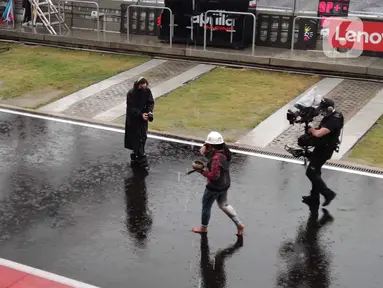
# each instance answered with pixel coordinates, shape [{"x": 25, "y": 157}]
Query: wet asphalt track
[{"x": 70, "y": 204}]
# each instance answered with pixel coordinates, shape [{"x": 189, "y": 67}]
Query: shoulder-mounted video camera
[
  {"x": 301, "y": 114},
  {"x": 306, "y": 108},
  {"x": 304, "y": 112}
]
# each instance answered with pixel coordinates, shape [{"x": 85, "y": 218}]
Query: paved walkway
[
  {"x": 106, "y": 100},
  {"x": 360, "y": 102},
  {"x": 269, "y": 129},
  {"x": 113, "y": 82},
  {"x": 358, "y": 125}
]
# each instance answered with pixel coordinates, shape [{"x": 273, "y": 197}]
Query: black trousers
[
  {"x": 138, "y": 154},
  {"x": 314, "y": 173},
  {"x": 28, "y": 11}
]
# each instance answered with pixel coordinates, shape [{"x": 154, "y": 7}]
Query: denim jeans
[{"x": 208, "y": 199}]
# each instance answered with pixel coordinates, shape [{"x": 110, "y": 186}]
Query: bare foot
[
  {"x": 240, "y": 228},
  {"x": 200, "y": 230}
]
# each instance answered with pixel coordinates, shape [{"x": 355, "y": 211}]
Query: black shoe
[
  {"x": 329, "y": 197},
  {"x": 133, "y": 159},
  {"x": 146, "y": 167},
  {"x": 143, "y": 162}
]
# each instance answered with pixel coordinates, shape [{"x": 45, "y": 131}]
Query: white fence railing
[
  {"x": 171, "y": 24},
  {"x": 231, "y": 31}
]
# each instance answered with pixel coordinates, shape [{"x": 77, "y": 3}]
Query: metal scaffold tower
[{"x": 47, "y": 12}]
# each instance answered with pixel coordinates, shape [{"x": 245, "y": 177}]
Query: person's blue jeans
[{"x": 208, "y": 199}]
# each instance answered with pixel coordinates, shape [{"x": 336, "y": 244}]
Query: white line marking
[
  {"x": 44, "y": 274},
  {"x": 191, "y": 143}
]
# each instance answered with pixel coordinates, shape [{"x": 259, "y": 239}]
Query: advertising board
[
  {"x": 332, "y": 8},
  {"x": 365, "y": 37},
  {"x": 189, "y": 18}
]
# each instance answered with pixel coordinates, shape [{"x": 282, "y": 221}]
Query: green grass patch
[
  {"x": 369, "y": 149},
  {"x": 35, "y": 69},
  {"x": 232, "y": 101}
]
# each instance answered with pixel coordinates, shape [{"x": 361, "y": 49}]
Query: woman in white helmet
[{"x": 218, "y": 181}]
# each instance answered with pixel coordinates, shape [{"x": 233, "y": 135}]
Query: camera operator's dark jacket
[
  {"x": 333, "y": 122},
  {"x": 218, "y": 174},
  {"x": 138, "y": 101}
]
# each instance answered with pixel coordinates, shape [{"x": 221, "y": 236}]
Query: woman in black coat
[{"x": 139, "y": 110}]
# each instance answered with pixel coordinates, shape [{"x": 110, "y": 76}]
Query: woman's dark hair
[{"x": 225, "y": 149}]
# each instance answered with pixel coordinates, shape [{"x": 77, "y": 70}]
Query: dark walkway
[{"x": 69, "y": 204}]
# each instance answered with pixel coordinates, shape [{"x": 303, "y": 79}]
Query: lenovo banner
[{"x": 365, "y": 37}]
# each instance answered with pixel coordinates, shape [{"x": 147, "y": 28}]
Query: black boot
[
  {"x": 328, "y": 196},
  {"x": 143, "y": 162},
  {"x": 133, "y": 159}
]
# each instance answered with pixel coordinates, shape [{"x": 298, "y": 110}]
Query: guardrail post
[
  {"x": 232, "y": 13},
  {"x": 171, "y": 20},
  {"x": 98, "y": 18},
  {"x": 80, "y": 1},
  {"x": 127, "y": 24},
  {"x": 59, "y": 11}
]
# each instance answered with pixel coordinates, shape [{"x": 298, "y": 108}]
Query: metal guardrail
[
  {"x": 80, "y": 1},
  {"x": 232, "y": 13},
  {"x": 362, "y": 14},
  {"x": 151, "y": 1},
  {"x": 309, "y": 17},
  {"x": 171, "y": 24}
]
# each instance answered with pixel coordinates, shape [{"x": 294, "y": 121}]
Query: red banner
[{"x": 367, "y": 37}]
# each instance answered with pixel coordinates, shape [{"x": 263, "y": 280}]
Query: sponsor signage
[
  {"x": 307, "y": 35},
  {"x": 367, "y": 37},
  {"x": 217, "y": 21},
  {"x": 229, "y": 30},
  {"x": 332, "y": 8}
]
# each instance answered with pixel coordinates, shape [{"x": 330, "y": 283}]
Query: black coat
[{"x": 137, "y": 102}]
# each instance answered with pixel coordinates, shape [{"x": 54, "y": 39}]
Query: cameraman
[
  {"x": 139, "y": 110},
  {"x": 326, "y": 142}
]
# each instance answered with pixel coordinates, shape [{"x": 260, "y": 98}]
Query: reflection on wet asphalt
[
  {"x": 70, "y": 204},
  {"x": 213, "y": 273},
  {"x": 139, "y": 220},
  {"x": 307, "y": 261}
]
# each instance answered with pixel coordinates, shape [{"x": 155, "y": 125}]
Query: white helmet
[{"x": 214, "y": 138}]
